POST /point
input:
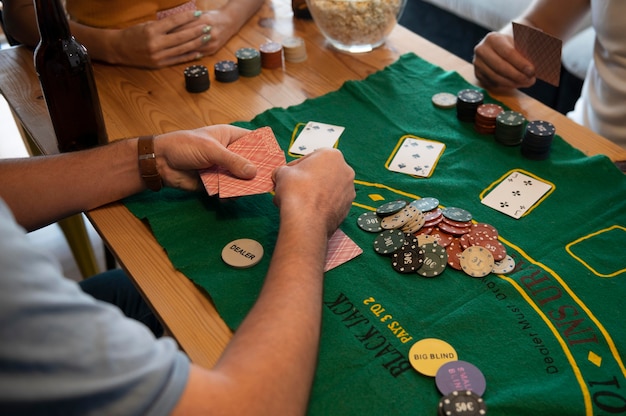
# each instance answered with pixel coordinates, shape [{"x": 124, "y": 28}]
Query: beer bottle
[
  {"x": 300, "y": 9},
  {"x": 67, "y": 81}
]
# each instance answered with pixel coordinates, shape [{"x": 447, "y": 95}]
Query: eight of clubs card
[{"x": 517, "y": 194}]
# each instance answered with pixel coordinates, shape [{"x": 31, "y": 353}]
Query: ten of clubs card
[{"x": 517, "y": 194}]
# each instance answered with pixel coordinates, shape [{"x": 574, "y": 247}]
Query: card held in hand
[
  {"x": 259, "y": 147},
  {"x": 517, "y": 194},
  {"x": 542, "y": 49}
]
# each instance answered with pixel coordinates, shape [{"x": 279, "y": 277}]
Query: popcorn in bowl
[{"x": 356, "y": 25}]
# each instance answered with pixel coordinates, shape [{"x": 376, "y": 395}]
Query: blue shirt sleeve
[{"x": 62, "y": 352}]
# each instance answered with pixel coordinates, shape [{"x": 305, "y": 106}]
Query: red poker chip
[
  {"x": 466, "y": 241},
  {"x": 454, "y": 250},
  {"x": 443, "y": 238},
  {"x": 458, "y": 224},
  {"x": 450, "y": 229},
  {"x": 497, "y": 249},
  {"x": 486, "y": 228}
]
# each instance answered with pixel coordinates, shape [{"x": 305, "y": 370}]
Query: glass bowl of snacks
[{"x": 356, "y": 25}]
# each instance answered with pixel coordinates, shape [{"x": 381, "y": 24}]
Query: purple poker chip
[{"x": 460, "y": 375}]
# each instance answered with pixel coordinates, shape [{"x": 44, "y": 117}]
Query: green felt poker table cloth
[{"x": 549, "y": 337}]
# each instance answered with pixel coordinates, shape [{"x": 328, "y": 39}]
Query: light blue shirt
[{"x": 62, "y": 352}]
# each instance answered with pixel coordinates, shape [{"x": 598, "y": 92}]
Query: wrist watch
[{"x": 147, "y": 163}]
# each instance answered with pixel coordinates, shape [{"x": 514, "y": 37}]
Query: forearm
[
  {"x": 100, "y": 42},
  {"x": 240, "y": 11},
  {"x": 556, "y": 17},
  {"x": 42, "y": 190},
  {"x": 20, "y": 21}
]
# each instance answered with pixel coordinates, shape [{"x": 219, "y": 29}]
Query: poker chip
[
  {"x": 370, "y": 222},
  {"x": 487, "y": 229},
  {"x": 226, "y": 71},
  {"x": 389, "y": 241},
  {"x": 242, "y": 253},
  {"x": 509, "y": 129},
  {"x": 248, "y": 62},
  {"x": 435, "y": 260},
  {"x": 504, "y": 266},
  {"x": 197, "y": 78},
  {"x": 416, "y": 223},
  {"x": 497, "y": 249},
  {"x": 537, "y": 141},
  {"x": 271, "y": 55},
  {"x": 407, "y": 259},
  {"x": 452, "y": 229},
  {"x": 426, "y": 204},
  {"x": 463, "y": 403},
  {"x": 444, "y": 100},
  {"x": 441, "y": 237},
  {"x": 457, "y": 214},
  {"x": 454, "y": 251},
  {"x": 400, "y": 218},
  {"x": 391, "y": 208},
  {"x": 468, "y": 101},
  {"x": 425, "y": 239},
  {"x": 477, "y": 261},
  {"x": 460, "y": 375}
]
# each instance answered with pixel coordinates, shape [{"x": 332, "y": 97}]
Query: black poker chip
[
  {"x": 407, "y": 259},
  {"x": 370, "y": 222},
  {"x": 462, "y": 403},
  {"x": 388, "y": 242},
  {"x": 196, "y": 78},
  {"x": 537, "y": 141},
  {"x": 468, "y": 101}
]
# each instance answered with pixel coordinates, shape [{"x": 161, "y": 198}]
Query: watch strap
[{"x": 147, "y": 163}]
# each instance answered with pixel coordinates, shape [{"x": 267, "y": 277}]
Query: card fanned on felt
[
  {"x": 259, "y": 147},
  {"x": 416, "y": 156}
]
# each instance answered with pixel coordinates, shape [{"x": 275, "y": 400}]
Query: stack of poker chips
[
  {"x": 486, "y": 118},
  {"x": 510, "y": 128},
  {"x": 271, "y": 55},
  {"x": 249, "y": 62},
  {"x": 295, "y": 49},
  {"x": 226, "y": 71},
  {"x": 197, "y": 78},
  {"x": 537, "y": 140},
  {"x": 467, "y": 103}
]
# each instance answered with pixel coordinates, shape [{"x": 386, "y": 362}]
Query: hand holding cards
[{"x": 542, "y": 49}]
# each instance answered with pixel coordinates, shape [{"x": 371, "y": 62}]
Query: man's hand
[
  {"x": 319, "y": 185},
  {"x": 181, "y": 154}
]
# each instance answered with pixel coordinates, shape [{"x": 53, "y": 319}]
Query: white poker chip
[
  {"x": 444, "y": 100},
  {"x": 504, "y": 266},
  {"x": 242, "y": 253}
]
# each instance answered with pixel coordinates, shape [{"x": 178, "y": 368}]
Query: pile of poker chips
[
  {"x": 468, "y": 101},
  {"x": 248, "y": 62},
  {"x": 537, "y": 140},
  {"x": 295, "y": 49},
  {"x": 226, "y": 71},
  {"x": 196, "y": 78},
  {"x": 422, "y": 238},
  {"x": 486, "y": 115},
  {"x": 510, "y": 126},
  {"x": 271, "y": 55}
]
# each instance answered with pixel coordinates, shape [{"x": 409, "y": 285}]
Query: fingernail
[
  {"x": 198, "y": 56},
  {"x": 197, "y": 13},
  {"x": 248, "y": 169},
  {"x": 529, "y": 72},
  {"x": 207, "y": 29},
  {"x": 206, "y": 38}
]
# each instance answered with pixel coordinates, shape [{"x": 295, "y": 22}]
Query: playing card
[
  {"x": 517, "y": 194},
  {"x": 315, "y": 136},
  {"x": 259, "y": 147},
  {"x": 340, "y": 250},
  {"x": 415, "y": 156},
  {"x": 542, "y": 49}
]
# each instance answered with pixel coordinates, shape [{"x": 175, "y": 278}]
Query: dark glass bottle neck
[{"x": 51, "y": 20}]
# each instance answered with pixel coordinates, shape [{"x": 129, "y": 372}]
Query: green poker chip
[
  {"x": 391, "y": 208},
  {"x": 435, "y": 260},
  {"x": 389, "y": 241},
  {"x": 370, "y": 222},
  {"x": 426, "y": 204},
  {"x": 457, "y": 214}
]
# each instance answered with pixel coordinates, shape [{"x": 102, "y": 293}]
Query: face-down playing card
[{"x": 259, "y": 147}]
